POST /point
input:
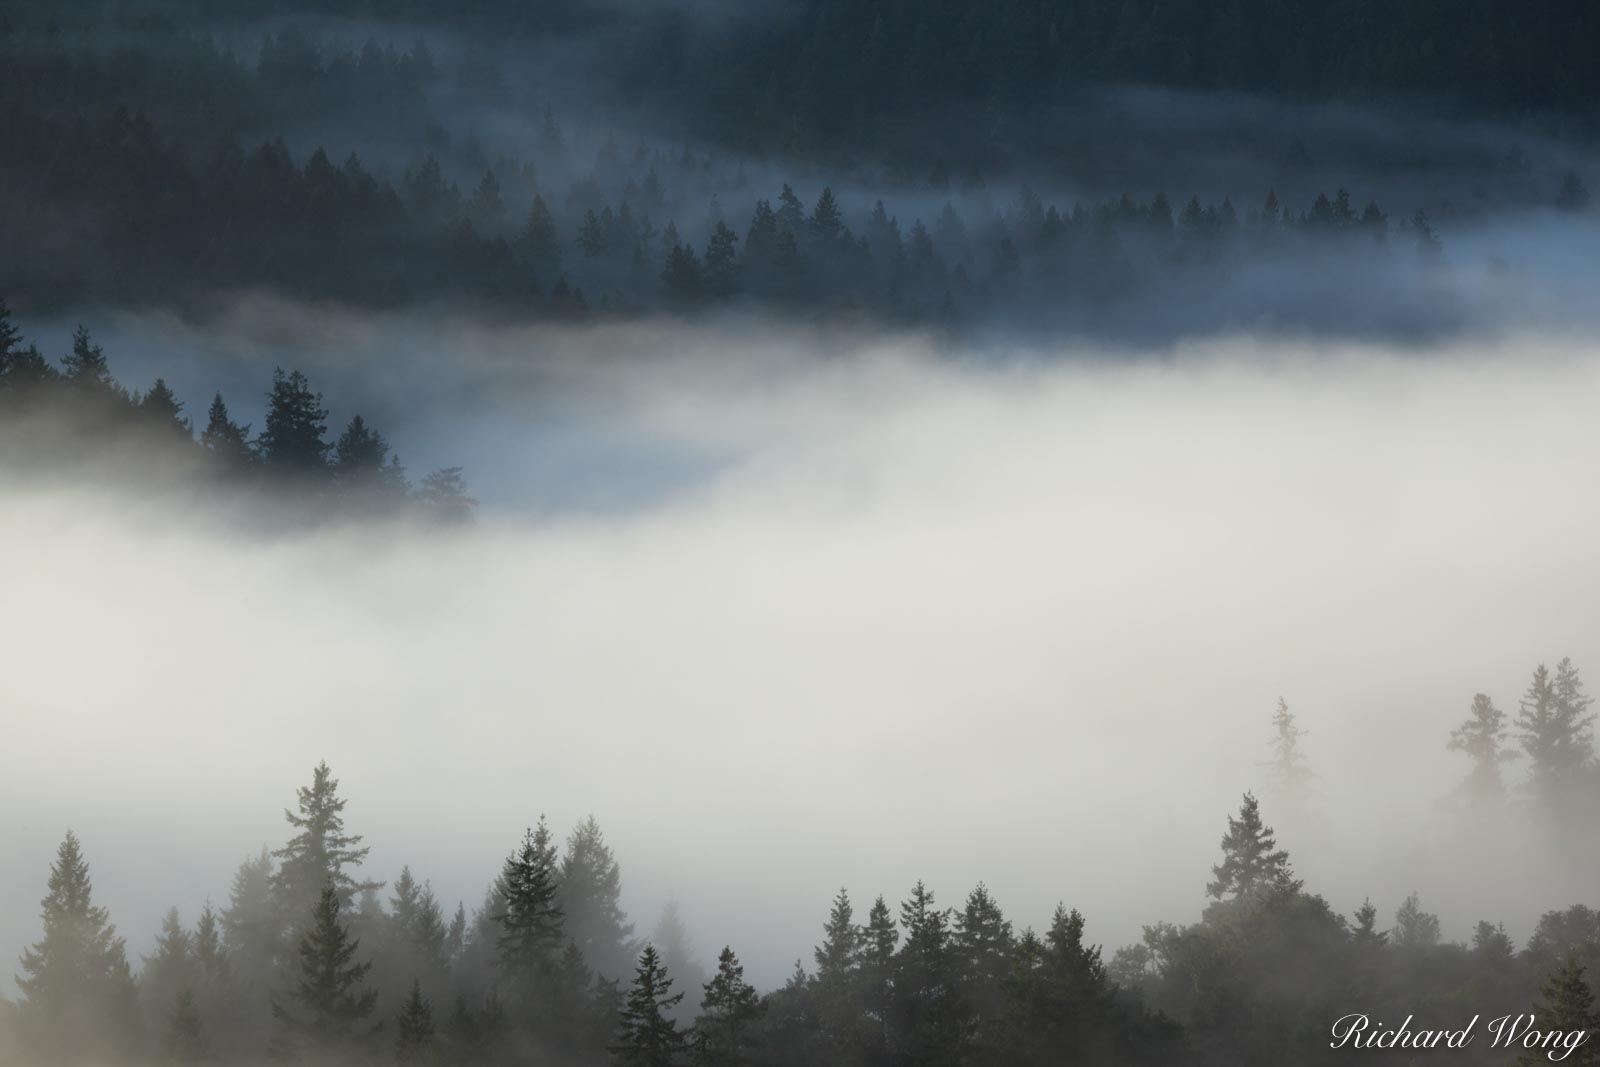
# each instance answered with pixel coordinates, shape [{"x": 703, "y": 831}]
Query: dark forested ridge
[
  {"x": 310, "y": 960},
  {"x": 148, "y": 160},
  {"x": 71, "y": 416}
]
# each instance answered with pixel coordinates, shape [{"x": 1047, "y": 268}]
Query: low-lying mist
[{"x": 790, "y": 614}]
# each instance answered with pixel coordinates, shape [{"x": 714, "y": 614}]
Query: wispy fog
[{"x": 827, "y": 611}]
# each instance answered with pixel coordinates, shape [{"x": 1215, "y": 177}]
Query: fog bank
[{"x": 843, "y": 612}]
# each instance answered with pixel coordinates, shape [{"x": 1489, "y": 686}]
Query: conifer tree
[
  {"x": 647, "y": 1035},
  {"x": 414, "y": 1037},
  {"x": 184, "y": 1040},
  {"x": 589, "y": 896},
  {"x": 444, "y": 498},
  {"x": 836, "y": 956},
  {"x": 170, "y": 971},
  {"x": 982, "y": 945},
  {"x": 320, "y": 854},
  {"x": 225, "y": 439},
  {"x": 728, "y": 1011},
  {"x": 1252, "y": 864},
  {"x": 79, "y": 999},
  {"x": 1290, "y": 775},
  {"x": 1413, "y": 927},
  {"x": 252, "y": 923},
  {"x": 164, "y": 410},
  {"x": 1554, "y": 727},
  {"x": 294, "y": 440},
  {"x": 86, "y": 365},
  {"x": 826, "y": 223},
  {"x": 722, "y": 262},
  {"x": 1365, "y": 931},
  {"x": 671, "y": 939},
  {"x": 362, "y": 462},
  {"x": 530, "y": 936},
  {"x": 328, "y": 1006},
  {"x": 1482, "y": 738},
  {"x": 1568, "y": 1006}
]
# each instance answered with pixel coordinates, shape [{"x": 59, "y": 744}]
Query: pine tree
[
  {"x": 329, "y": 1006},
  {"x": 530, "y": 937},
  {"x": 79, "y": 992},
  {"x": 1413, "y": 927},
  {"x": 682, "y": 274},
  {"x": 1291, "y": 777},
  {"x": 671, "y": 939},
  {"x": 363, "y": 464},
  {"x": 162, "y": 409},
  {"x": 185, "y": 1040},
  {"x": 225, "y": 439},
  {"x": 319, "y": 854},
  {"x": 294, "y": 440},
  {"x": 826, "y": 223},
  {"x": 1555, "y": 730},
  {"x": 444, "y": 498},
  {"x": 589, "y": 894},
  {"x": 1252, "y": 864},
  {"x": 836, "y": 956},
  {"x": 982, "y": 946},
  {"x": 1569, "y": 1007},
  {"x": 538, "y": 243},
  {"x": 722, "y": 262},
  {"x": 728, "y": 1011},
  {"x": 170, "y": 971},
  {"x": 1482, "y": 738},
  {"x": 414, "y": 1038},
  {"x": 877, "y": 945},
  {"x": 252, "y": 923},
  {"x": 647, "y": 1035},
  {"x": 86, "y": 365},
  {"x": 1365, "y": 931}
]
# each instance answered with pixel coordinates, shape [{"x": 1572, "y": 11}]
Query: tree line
[
  {"x": 310, "y": 961},
  {"x": 72, "y": 412}
]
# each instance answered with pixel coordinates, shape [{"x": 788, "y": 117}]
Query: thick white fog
[{"x": 787, "y": 616}]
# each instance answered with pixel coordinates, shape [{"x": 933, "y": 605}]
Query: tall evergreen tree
[
  {"x": 294, "y": 441},
  {"x": 161, "y": 407},
  {"x": 721, "y": 269},
  {"x": 1413, "y": 927},
  {"x": 647, "y": 1035},
  {"x": 414, "y": 1035},
  {"x": 1482, "y": 738},
  {"x": 252, "y": 923},
  {"x": 79, "y": 999},
  {"x": 530, "y": 940},
  {"x": 1554, "y": 727},
  {"x": 170, "y": 971},
  {"x": 184, "y": 1040},
  {"x": 1252, "y": 864},
  {"x": 982, "y": 945},
  {"x": 1291, "y": 777},
  {"x": 671, "y": 939},
  {"x": 225, "y": 439},
  {"x": 729, "y": 1010},
  {"x": 589, "y": 895},
  {"x": 1568, "y": 1006},
  {"x": 86, "y": 364},
  {"x": 328, "y": 1010},
  {"x": 320, "y": 853}
]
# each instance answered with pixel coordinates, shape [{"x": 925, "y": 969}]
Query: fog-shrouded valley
[{"x": 798, "y": 533}]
